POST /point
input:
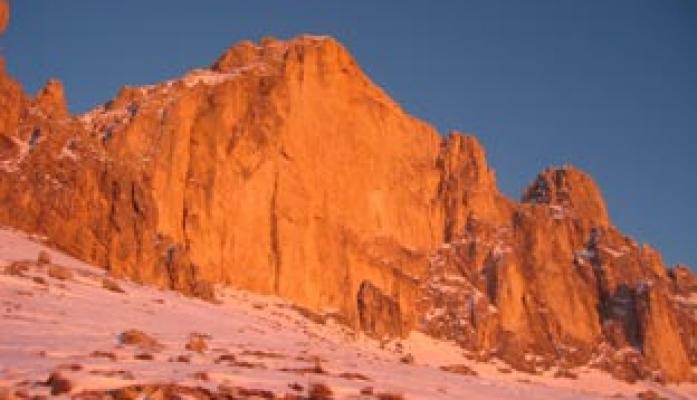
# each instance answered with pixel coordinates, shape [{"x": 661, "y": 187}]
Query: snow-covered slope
[{"x": 73, "y": 326}]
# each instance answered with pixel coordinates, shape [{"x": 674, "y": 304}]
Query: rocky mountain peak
[
  {"x": 465, "y": 154},
  {"x": 571, "y": 189},
  {"x": 239, "y": 55},
  {"x": 273, "y": 52},
  {"x": 51, "y": 99}
]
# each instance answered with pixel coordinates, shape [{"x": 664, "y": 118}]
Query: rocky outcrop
[
  {"x": 684, "y": 280},
  {"x": 379, "y": 315},
  {"x": 282, "y": 169},
  {"x": 660, "y": 335},
  {"x": 571, "y": 191},
  {"x": 552, "y": 282},
  {"x": 467, "y": 187},
  {"x": 12, "y": 99},
  {"x": 51, "y": 100},
  {"x": 525, "y": 301}
]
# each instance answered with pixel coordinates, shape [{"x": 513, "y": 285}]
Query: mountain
[{"x": 282, "y": 169}]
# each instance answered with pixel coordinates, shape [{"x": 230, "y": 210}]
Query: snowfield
[{"x": 65, "y": 320}]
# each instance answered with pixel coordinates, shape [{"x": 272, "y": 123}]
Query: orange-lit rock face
[
  {"x": 571, "y": 190},
  {"x": 51, "y": 100},
  {"x": 660, "y": 334},
  {"x": 552, "y": 277},
  {"x": 283, "y": 169},
  {"x": 287, "y": 172},
  {"x": 4, "y": 15}
]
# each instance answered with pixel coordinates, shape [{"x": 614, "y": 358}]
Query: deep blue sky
[{"x": 609, "y": 86}]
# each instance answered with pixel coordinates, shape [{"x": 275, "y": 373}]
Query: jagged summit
[
  {"x": 51, "y": 99},
  {"x": 300, "y": 66},
  {"x": 270, "y": 49},
  {"x": 569, "y": 188}
]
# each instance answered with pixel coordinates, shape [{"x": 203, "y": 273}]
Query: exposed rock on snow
[
  {"x": 56, "y": 341},
  {"x": 197, "y": 342},
  {"x": 140, "y": 339},
  {"x": 379, "y": 314}
]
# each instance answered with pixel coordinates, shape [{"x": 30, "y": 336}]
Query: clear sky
[{"x": 609, "y": 86}]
